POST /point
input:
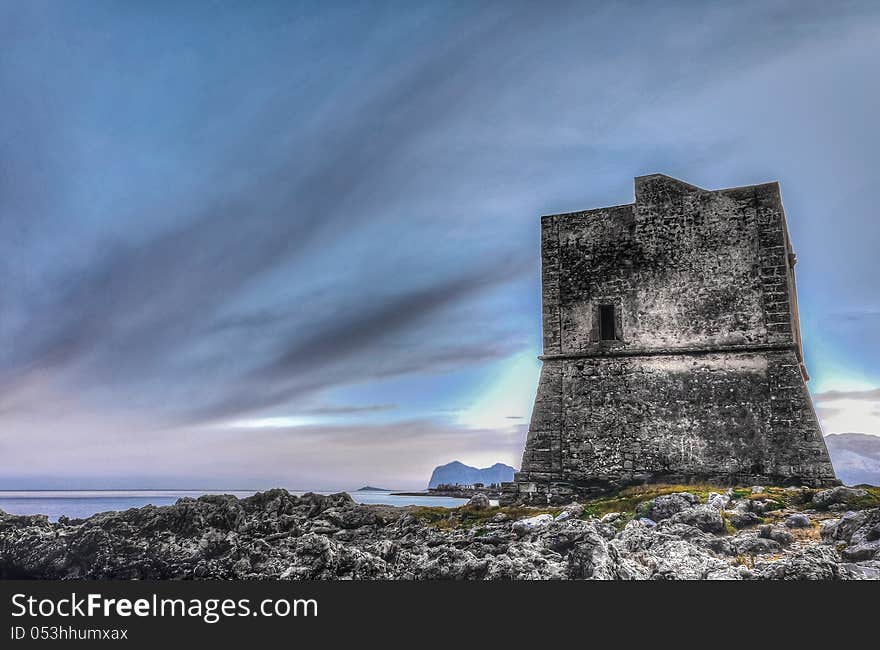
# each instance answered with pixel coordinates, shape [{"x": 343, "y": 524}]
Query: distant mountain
[
  {"x": 855, "y": 456},
  {"x": 456, "y": 473},
  {"x": 370, "y": 488}
]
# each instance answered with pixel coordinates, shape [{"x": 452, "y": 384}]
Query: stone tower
[{"x": 672, "y": 348}]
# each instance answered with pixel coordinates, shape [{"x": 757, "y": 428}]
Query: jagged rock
[
  {"x": 741, "y": 520},
  {"x": 756, "y": 546},
  {"x": 861, "y": 552},
  {"x": 861, "y": 571},
  {"x": 798, "y": 520},
  {"x": 717, "y": 501},
  {"x": 862, "y": 535},
  {"x": 813, "y": 563},
  {"x": 277, "y": 535},
  {"x": 667, "y": 505},
  {"x": 838, "y": 495},
  {"x": 799, "y": 495},
  {"x": 352, "y": 517},
  {"x": 704, "y": 517},
  {"x": 760, "y": 506},
  {"x": 478, "y": 502},
  {"x": 564, "y": 536},
  {"x": 842, "y": 530},
  {"x": 611, "y": 517},
  {"x": 777, "y": 534},
  {"x": 529, "y": 525},
  {"x": 590, "y": 557}
]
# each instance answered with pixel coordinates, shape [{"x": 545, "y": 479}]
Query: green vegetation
[
  {"x": 728, "y": 527},
  {"x": 871, "y": 499},
  {"x": 633, "y": 502}
]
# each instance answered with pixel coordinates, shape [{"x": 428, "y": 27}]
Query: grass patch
[
  {"x": 870, "y": 500},
  {"x": 632, "y": 502},
  {"x": 728, "y": 527},
  {"x": 811, "y": 534},
  {"x": 773, "y": 502}
]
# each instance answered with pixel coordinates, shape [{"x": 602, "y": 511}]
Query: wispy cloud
[
  {"x": 871, "y": 395},
  {"x": 263, "y": 213}
]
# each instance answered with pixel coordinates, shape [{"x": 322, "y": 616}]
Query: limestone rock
[
  {"x": 837, "y": 495},
  {"x": 741, "y": 520},
  {"x": 756, "y": 545},
  {"x": 704, "y": 517},
  {"x": 529, "y": 525},
  {"x": 667, "y": 505},
  {"x": 478, "y": 502},
  {"x": 798, "y": 520},
  {"x": 777, "y": 534},
  {"x": 275, "y": 535}
]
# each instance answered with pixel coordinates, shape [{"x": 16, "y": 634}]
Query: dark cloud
[
  {"x": 136, "y": 309},
  {"x": 215, "y": 213}
]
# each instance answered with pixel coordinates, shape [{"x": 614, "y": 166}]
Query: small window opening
[{"x": 607, "y": 323}]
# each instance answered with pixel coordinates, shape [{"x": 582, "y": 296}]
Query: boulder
[
  {"x": 530, "y": 525},
  {"x": 777, "y": 534},
  {"x": 862, "y": 552},
  {"x": 812, "y": 563},
  {"x": 351, "y": 517},
  {"x": 864, "y": 540},
  {"x": 842, "y": 530},
  {"x": 837, "y": 495},
  {"x": 704, "y": 517},
  {"x": 667, "y": 505},
  {"x": 756, "y": 546},
  {"x": 741, "y": 520},
  {"x": 478, "y": 502},
  {"x": 798, "y": 520}
]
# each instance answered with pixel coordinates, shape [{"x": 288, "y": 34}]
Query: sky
[{"x": 296, "y": 244}]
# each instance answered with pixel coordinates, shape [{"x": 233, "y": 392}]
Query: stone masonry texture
[{"x": 702, "y": 378}]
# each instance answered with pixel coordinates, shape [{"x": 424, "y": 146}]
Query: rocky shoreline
[{"x": 657, "y": 532}]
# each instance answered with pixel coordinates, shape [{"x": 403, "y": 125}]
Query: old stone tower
[{"x": 672, "y": 347}]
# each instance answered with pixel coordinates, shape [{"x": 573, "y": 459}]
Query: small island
[{"x": 370, "y": 488}]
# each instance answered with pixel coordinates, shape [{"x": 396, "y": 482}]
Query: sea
[{"x": 80, "y": 504}]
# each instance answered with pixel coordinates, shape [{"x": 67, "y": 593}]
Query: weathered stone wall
[{"x": 705, "y": 379}]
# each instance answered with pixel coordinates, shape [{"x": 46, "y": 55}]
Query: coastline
[{"x": 662, "y": 532}]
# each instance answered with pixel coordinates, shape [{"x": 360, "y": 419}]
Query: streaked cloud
[{"x": 295, "y": 243}]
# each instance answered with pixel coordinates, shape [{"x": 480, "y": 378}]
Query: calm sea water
[{"x": 81, "y": 504}]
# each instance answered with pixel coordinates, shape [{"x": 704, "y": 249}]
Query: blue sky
[{"x": 256, "y": 244}]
